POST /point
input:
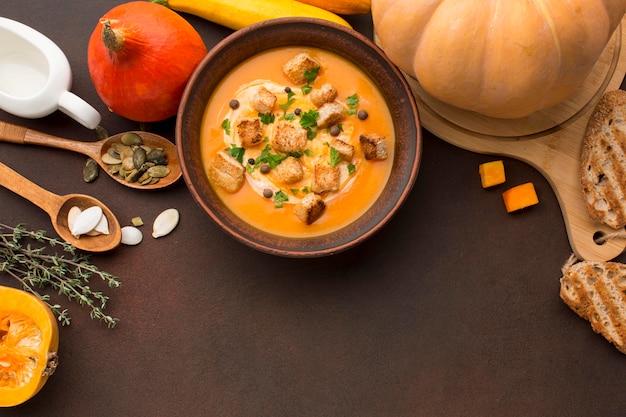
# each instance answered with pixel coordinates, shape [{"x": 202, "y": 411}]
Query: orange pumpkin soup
[{"x": 260, "y": 111}]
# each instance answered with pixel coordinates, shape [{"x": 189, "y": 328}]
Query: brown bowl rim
[{"x": 334, "y": 38}]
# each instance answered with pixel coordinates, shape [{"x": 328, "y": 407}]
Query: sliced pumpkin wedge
[{"x": 29, "y": 339}]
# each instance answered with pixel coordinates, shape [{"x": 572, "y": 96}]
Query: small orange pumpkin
[
  {"x": 140, "y": 57},
  {"x": 29, "y": 340}
]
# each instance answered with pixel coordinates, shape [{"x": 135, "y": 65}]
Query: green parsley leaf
[
  {"x": 236, "y": 152},
  {"x": 335, "y": 157},
  {"x": 289, "y": 101},
  {"x": 226, "y": 126},
  {"x": 311, "y": 74},
  {"x": 267, "y": 118},
  {"x": 353, "y": 101},
  {"x": 309, "y": 119},
  {"x": 269, "y": 158},
  {"x": 309, "y": 152},
  {"x": 306, "y": 89},
  {"x": 351, "y": 169},
  {"x": 279, "y": 198}
]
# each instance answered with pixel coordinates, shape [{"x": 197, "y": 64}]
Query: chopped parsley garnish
[
  {"x": 267, "y": 118},
  {"x": 310, "y": 75},
  {"x": 226, "y": 126},
  {"x": 279, "y": 198},
  {"x": 236, "y": 152},
  {"x": 351, "y": 169},
  {"x": 309, "y": 152},
  {"x": 335, "y": 157},
  {"x": 309, "y": 119},
  {"x": 353, "y": 103},
  {"x": 285, "y": 106},
  {"x": 269, "y": 158}
]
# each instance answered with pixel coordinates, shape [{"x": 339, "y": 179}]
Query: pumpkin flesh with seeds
[
  {"x": 504, "y": 59},
  {"x": 29, "y": 339}
]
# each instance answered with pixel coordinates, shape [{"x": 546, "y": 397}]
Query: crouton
[
  {"x": 226, "y": 172},
  {"x": 288, "y": 171},
  {"x": 263, "y": 101},
  {"x": 250, "y": 131},
  {"x": 374, "y": 146},
  {"x": 310, "y": 208},
  {"x": 295, "y": 68},
  {"x": 325, "y": 94},
  {"x": 325, "y": 178},
  {"x": 345, "y": 150},
  {"x": 288, "y": 137},
  {"x": 330, "y": 114}
]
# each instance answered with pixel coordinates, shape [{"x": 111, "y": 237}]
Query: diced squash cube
[
  {"x": 520, "y": 196},
  {"x": 491, "y": 173}
]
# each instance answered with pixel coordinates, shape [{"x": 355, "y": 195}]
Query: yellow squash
[
  {"x": 242, "y": 13},
  {"x": 504, "y": 59},
  {"x": 341, "y": 6},
  {"x": 29, "y": 339}
]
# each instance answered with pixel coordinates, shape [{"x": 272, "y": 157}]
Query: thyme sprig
[{"x": 35, "y": 267}]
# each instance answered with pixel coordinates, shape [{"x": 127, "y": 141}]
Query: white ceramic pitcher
[{"x": 35, "y": 76}]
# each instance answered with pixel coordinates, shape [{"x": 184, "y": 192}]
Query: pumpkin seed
[
  {"x": 131, "y": 235},
  {"x": 157, "y": 156},
  {"x": 101, "y": 133},
  {"x": 128, "y": 163},
  {"x": 130, "y": 160},
  {"x": 158, "y": 171},
  {"x": 102, "y": 228},
  {"x": 165, "y": 223},
  {"x": 90, "y": 170},
  {"x": 109, "y": 159},
  {"x": 86, "y": 221},
  {"x": 130, "y": 138},
  {"x": 72, "y": 215},
  {"x": 139, "y": 157}
]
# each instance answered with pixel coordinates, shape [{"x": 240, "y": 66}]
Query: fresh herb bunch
[{"x": 35, "y": 267}]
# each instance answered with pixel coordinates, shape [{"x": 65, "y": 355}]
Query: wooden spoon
[
  {"x": 58, "y": 208},
  {"x": 24, "y": 136}
]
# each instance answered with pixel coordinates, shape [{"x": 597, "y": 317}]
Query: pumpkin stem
[{"x": 113, "y": 39}]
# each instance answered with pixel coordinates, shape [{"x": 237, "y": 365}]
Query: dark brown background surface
[{"x": 453, "y": 309}]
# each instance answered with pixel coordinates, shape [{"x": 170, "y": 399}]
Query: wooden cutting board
[{"x": 549, "y": 140}]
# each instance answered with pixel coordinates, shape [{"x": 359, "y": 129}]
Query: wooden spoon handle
[
  {"x": 37, "y": 195},
  {"x": 24, "y": 136}
]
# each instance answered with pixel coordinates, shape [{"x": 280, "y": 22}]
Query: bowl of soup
[{"x": 298, "y": 137}]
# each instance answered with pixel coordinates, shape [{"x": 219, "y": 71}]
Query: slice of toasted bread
[
  {"x": 595, "y": 290},
  {"x": 603, "y": 161}
]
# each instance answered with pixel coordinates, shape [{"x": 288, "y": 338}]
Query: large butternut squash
[{"x": 504, "y": 59}]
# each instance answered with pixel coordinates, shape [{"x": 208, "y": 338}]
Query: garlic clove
[{"x": 165, "y": 223}]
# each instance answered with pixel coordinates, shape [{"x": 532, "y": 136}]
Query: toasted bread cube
[
  {"x": 263, "y": 101},
  {"x": 289, "y": 170},
  {"x": 250, "y": 131},
  {"x": 226, "y": 172},
  {"x": 519, "y": 197},
  {"x": 491, "y": 173},
  {"x": 325, "y": 178},
  {"x": 288, "y": 137},
  {"x": 330, "y": 114},
  {"x": 295, "y": 68},
  {"x": 374, "y": 146},
  {"x": 346, "y": 150},
  {"x": 325, "y": 94},
  {"x": 310, "y": 208}
]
